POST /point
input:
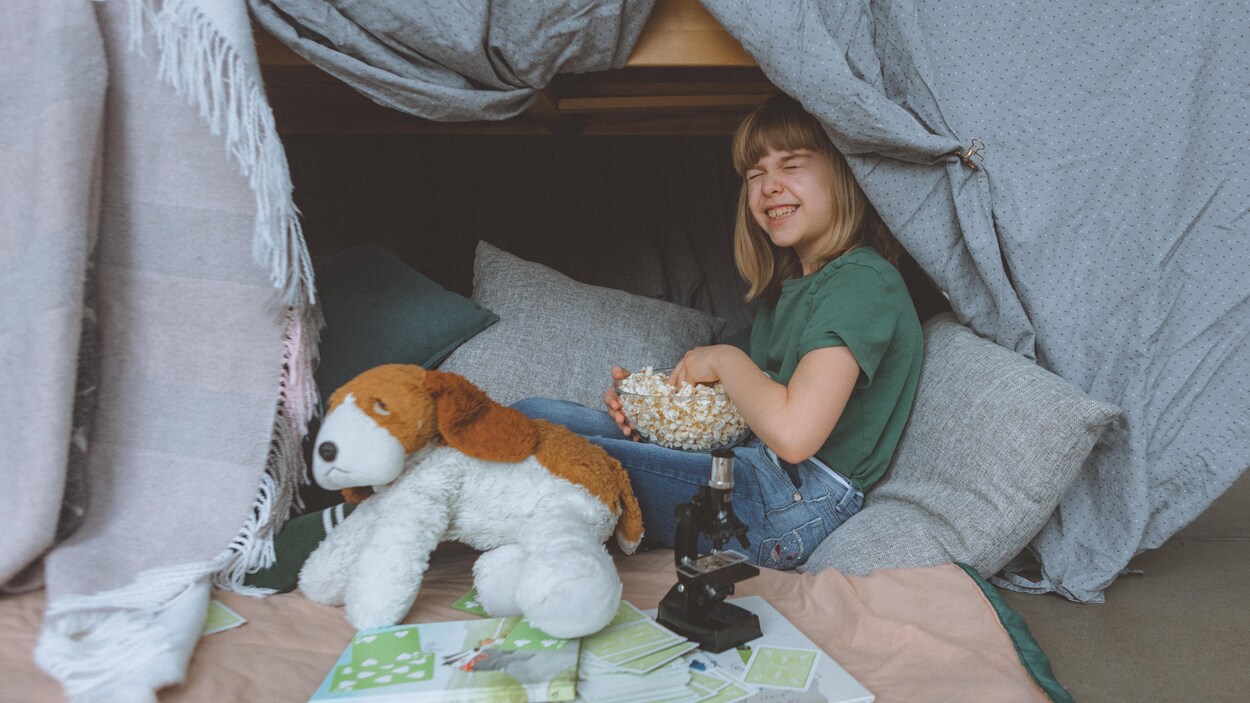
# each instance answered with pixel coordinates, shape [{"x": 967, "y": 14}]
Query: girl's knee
[
  {"x": 530, "y": 403},
  {"x": 578, "y": 418},
  {"x": 542, "y": 408}
]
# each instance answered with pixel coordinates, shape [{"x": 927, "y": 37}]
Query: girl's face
[{"x": 790, "y": 195}]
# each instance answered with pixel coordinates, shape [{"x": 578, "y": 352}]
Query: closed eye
[{"x": 380, "y": 408}]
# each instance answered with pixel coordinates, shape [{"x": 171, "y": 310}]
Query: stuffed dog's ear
[{"x": 476, "y": 425}]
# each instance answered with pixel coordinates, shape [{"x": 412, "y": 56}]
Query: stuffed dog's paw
[
  {"x": 321, "y": 579},
  {"x": 497, "y": 574},
  {"x": 572, "y": 593},
  {"x": 378, "y": 604}
]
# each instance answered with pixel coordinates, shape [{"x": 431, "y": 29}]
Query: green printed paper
[
  {"x": 469, "y": 603},
  {"x": 415, "y": 667},
  {"x": 629, "y": 642},
  {"x": 386, "y": 646},
  {"x": 625, "y": 613},
  {"x": 655, "y": 660},
  {"x": 705, "y": 685},
  {"x": 525, "y": 636},
  {"x": 481, "y": 660},
  {"x": 729, "y": 694},
  {"x": 220, "y": 618},
  {"x": 781, "y": 667}
]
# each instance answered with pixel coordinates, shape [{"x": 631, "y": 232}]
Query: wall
[{"x": 651, "y": 215}]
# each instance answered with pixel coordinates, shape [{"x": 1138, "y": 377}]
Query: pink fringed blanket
[{"x": 156, "y": 332}]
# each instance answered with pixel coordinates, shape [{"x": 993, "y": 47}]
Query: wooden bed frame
[{"x": 686, "y": 76}]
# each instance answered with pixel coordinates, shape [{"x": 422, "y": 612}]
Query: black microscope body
[{"x": 695, "y": 607}]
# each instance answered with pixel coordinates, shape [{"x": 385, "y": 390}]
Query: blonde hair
[{"x": 781, "y": 124}]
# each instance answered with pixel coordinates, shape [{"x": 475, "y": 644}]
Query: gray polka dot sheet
[{"x": 1105, "y": 230}]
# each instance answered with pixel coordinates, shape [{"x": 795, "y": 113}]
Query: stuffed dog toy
[{"x": 445, "y": 462}]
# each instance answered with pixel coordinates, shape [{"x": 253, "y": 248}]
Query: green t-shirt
[{"x": 858, "y": 300}]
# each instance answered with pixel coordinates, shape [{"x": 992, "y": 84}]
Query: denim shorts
[{"x": 788, "y": 508}]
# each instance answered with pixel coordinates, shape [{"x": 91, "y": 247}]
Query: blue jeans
[{"x": 788, "y": 508}]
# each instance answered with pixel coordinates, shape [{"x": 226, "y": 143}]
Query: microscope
[{"x": 695, "y": 607}]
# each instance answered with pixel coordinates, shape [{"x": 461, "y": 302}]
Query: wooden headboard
[{"x": 686, "y": 76}]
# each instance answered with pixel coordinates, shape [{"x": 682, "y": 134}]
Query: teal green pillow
[{"x": 379, "y": 310}]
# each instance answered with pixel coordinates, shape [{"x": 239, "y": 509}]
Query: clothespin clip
[{"x": 972, "y": 152}]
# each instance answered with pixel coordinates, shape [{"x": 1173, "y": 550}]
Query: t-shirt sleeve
[{"x": 858, "y": 309}]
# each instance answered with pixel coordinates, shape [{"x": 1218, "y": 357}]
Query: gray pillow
[
  {"x": 993, "y": 443},
  {"x": 558, "y": 338}
]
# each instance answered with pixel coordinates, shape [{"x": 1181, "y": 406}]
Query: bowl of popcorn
[{"x": 692, "y": 417}]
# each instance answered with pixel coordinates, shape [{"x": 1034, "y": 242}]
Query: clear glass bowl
[{"x": 701, "y": 420}]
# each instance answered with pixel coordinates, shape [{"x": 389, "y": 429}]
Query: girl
[{"x": 834, "y": 353}]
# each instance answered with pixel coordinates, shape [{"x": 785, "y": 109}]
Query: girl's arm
[{"x": 794, "y": 420}]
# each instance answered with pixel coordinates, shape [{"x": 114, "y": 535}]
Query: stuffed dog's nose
[{"x": 327, "y": 450}]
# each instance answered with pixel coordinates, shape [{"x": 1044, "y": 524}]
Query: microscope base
[{"x": 715, "y": 627}]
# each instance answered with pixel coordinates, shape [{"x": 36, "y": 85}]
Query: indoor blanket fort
[{"x": 525, "y": 194}]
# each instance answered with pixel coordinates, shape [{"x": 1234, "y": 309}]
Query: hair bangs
[{"x": 777, "y": 126}]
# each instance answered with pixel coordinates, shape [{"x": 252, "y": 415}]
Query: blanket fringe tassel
[
  {"x": 201, "y": 65},
  {"x": 123, "y": 645}
]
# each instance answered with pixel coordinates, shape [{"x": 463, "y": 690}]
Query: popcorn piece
[{"x": 693, "y": 417}]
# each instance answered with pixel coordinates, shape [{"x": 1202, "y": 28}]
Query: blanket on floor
[{"x": 923, "y": 635}]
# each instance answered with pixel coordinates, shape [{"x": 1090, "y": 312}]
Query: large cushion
[
  {"x": 378, "y": 310},
  {"x": 993, "y": 443},
  {"x": 558, "y": 338}
]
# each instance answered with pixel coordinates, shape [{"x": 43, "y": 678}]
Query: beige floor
[{"x": 1179, "y": 631}]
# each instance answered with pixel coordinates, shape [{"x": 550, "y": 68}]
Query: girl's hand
[
  {"x": 613, "y": 402},
  {"x": 697, "y": 366}
]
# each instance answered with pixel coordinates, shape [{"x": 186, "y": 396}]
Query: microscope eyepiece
[{"x": 722, "y": 469}]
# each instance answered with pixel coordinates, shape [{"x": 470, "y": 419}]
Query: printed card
[
  {"x": 388, "y": 646},
  {"x": 654, "y": 660},
  {"x": 782, "y": 667},
  {"x": 626, "y": 613},
  {"x": 730, "y": 693},
  {"x": 629, "y": 642},
  {"x": 371, "y": 673},
  {"x": 525, "y": 636},
  {"x": 221, "y": 618},
  {"x": 704, "y": 685},
  {"x": 469, "y": 603}
]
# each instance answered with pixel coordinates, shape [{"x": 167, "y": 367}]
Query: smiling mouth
[{"x": 779, "y": 212}]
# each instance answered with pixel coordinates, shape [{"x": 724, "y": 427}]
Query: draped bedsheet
[{"x": 1105, "y": 231}]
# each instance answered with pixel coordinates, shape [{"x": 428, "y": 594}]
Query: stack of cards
[
  {"x": 633, "y": 643},
  {"x": 635, "y": 659}
]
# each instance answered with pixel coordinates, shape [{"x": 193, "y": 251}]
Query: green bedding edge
[{"x": 1027, "y": 648}]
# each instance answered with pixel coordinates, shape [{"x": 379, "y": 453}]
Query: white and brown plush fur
[{"x": 447, "y": 463}]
